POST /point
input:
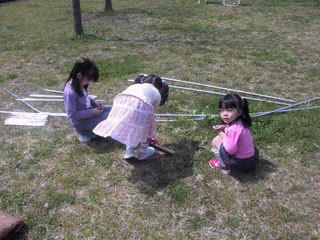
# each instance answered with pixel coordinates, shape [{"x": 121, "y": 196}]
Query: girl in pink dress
[
  {"x": 131, "y": 119},
  {"x": 233, "y": 147}
]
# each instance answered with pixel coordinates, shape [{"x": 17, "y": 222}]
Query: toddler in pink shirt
[{"x": 233, "y": 147}]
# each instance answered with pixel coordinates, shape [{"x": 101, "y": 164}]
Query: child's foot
[
  {"x": 84, "y": 139},
  {"x": 214, "y": 163},
  {"x": 147, "y": 153},
  {"x": 129, "y": 153}
]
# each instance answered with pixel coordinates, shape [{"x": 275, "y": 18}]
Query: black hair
[
  {"x": 87, "y": 68},
  {"x": 232, "y": 100},
  {"x": 158, "y": 83}
]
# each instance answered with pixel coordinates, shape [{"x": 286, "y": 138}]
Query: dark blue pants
[
  {"x": 242, "y": 164},
  {"x": 86, "y": 125}
]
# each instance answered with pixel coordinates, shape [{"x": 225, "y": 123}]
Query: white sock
[
  {"x": 217, "y": 154},
  {"x": 143, "y": 147},
  {"x": 129, "y": 148}
]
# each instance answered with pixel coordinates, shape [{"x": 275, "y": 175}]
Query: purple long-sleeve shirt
[{"x": 77, "y": 107}]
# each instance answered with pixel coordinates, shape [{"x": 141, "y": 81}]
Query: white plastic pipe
[
  {"x": 231, "y": 4},
  {"x": 182, "y": 115},
  {"x": 27, "y": 119},
  {"x": 228, "y": 89},
  {"x": 285, "y": 110},
  {"x": 177, "y": 120},
  {"x": 219, "y": 93},
  {"x": 250, "y": 98},
  {"x": 203, "y": 115},
  {"x": 296, "y": 104},
  {"x": 45, "y": 96},
  {"x": 214, "y": 116},
  {"x": 40, "y": 99},
  {"x": 50, "y": 114},
  {"x": 55, "y": 91},
  {"x": 21, "y": 101}
]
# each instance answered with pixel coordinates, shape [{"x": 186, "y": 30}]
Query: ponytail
[{"x": 245, "y": 117}]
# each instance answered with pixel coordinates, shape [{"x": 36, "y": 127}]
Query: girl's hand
[
  {"x": 97, "y": 110},
  {"x": 99, "y": 105},
  {"x": 219, "y": 128}
]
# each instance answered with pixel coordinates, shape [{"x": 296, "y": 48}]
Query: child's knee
[{"x": 216, "y": 142}]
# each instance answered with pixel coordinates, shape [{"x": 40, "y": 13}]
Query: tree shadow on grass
[
  {"x": 155, "y": 173},
  {"x": 104, "y": 145},
  {"x": 263, "y": 168}
]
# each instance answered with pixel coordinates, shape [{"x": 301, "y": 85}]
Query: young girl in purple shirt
[
  {"x": 84, "y": 112},
  {"x": 233, "y": 147}
]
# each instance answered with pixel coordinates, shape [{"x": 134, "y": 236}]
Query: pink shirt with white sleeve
[{"x": 238, "y": 140}]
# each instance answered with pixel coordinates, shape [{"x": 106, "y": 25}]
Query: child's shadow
[
  {"x": 154, "y": 174},
  {"x": 263, "y": 168},
  {"x": 104, "y": 145}
]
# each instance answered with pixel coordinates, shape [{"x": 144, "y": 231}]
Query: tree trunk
[
  {"x": 108, "y": 5},
  {"x": 77, "y": 22}
]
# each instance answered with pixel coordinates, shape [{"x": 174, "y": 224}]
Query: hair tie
[{"x": 84, "y": 59}]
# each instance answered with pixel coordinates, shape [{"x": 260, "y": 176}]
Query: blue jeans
[{"x": 86, "y": 125}]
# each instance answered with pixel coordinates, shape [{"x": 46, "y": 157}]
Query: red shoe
[{"x": 214, "y": 163}]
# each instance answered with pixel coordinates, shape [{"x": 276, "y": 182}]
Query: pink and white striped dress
[{"x": 130, "y": 121}]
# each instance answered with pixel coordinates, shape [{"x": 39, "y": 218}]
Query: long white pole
[
  {"x": 250, "y": 98},
  {"x": 41, "y": 99},
  {"x": 46, "y": 96},
  {"x": 296, "y": 104},
  {"x": 201, "y": 116},
  {"x": 26, "y": 113},
  {"x": 55, "y": 91},
  {"x": 182, "y": 115},
  {"x": 176, "y": 120},
  {"x": 21, "y": 100},
  {"x": 228, "y": 89},
  {"x": 286, "y": 110},
  {"x": 219, "y": 93}
]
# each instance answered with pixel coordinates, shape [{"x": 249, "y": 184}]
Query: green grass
[{"x": 67, "y": 190}]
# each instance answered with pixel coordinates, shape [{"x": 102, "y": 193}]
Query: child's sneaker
[
  {"x": 84, "y": 139},
  {"x": 147, "y": 153},
  {"x": 129, "y": 153},
  {"x": 214, "y": 163}
]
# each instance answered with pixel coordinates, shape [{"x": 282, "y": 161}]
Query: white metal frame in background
[{"x": 224, "y": 2}]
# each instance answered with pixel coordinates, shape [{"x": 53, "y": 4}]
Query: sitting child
[
  {"x": 84, "y": 113},
  {"x": 234, "y": 147}
]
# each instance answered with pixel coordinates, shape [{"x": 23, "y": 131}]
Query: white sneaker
[
  {"x": 129, "y": 153},
  {"x": 84, "y": 139},
  {"x": 143, "y": 155}
]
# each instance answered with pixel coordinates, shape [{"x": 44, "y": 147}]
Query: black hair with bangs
[
  {"x": 87, "y": 68},
  {"x": 233, "y": 100},
  {"x": 158, "y": 83}
]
